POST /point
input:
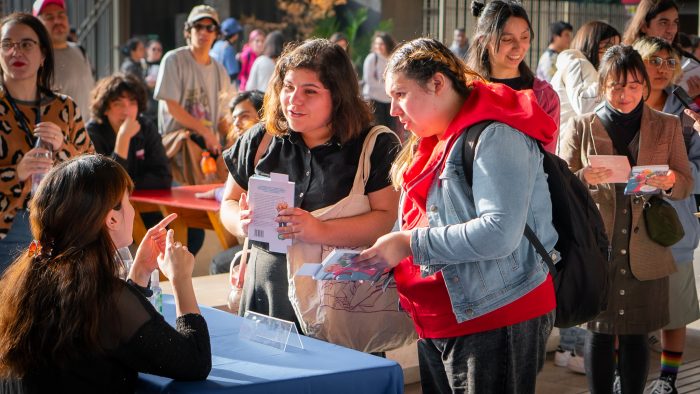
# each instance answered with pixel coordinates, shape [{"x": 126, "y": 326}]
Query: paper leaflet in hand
[
  {"x": 638, "y": 178},
  {"x": 266, "y": 197},
  {"x": 338, "y": 265}
]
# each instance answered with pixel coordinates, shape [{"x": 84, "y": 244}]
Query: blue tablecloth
[{"x": 242, "y": 366}]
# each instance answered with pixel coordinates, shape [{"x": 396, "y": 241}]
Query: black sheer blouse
[{"x": 141, "y": 341}]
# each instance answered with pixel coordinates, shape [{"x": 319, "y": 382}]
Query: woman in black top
[
  {"x": 119, "y": 130},
  {"x": 318, "y": 121},
  {"x": 68, "y": 323}
]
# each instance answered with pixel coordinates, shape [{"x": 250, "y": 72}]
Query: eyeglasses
[
  {"x": 210, "y": 28},
  {"x": 25, "y": 45},
  {"x": 658, "y": 62}
]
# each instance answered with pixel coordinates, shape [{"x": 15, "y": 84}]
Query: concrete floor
[{"x": 552, "y": 379}]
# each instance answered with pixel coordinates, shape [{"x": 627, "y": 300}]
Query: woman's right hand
[
  {"x": 245, "y": 214},
  {"x": 35, "y": 161},
  {"x": 596, "y": 175},
  {"x": 176, "y": 262}
]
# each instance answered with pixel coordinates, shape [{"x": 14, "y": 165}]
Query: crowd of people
[{"x": 480, "y": 296}]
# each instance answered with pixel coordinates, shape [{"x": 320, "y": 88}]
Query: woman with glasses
[
  {"x": 639, "y": 287},
  {"x": 30, "y": 111},
  {"x": 660, "y": 18},
  {"x": 663, "y": 65}
]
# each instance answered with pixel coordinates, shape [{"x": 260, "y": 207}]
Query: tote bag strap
[{"x": 364, "y": 164}]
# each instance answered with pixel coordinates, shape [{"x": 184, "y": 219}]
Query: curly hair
[{"x": 113, "y": 87}]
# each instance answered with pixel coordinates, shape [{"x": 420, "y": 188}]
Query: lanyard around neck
[{"x": 19, "y": 115}]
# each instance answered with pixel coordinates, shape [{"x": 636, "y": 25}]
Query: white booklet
[
  {"x": 690, "y": 69},
  {"x": 266, "y": 196},
  {"x": 619, "y": 164}
]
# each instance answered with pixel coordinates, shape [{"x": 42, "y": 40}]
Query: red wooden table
[{"x": 191, "y": 212}]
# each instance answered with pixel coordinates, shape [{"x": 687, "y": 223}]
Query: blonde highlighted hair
[{"x": 649, "y": 46}]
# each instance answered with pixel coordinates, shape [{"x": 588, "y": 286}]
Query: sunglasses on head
[{"x": 210, "y": 28}]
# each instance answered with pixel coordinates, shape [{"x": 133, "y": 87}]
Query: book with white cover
[{"x": 266, "y": 196}]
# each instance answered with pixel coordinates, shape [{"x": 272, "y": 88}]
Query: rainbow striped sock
[{"x": 670, "y": 362}]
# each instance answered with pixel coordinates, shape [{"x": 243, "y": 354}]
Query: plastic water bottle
[
  {"x": 124, "y": 255},
  {"x": 157, "y": 297},
  {"x": 37, "y": 177}
]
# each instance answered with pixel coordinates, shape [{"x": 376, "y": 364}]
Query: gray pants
[{"x": 504, "y": 360}]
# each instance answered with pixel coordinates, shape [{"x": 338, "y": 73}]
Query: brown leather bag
[{"x": 185, "y": 155}]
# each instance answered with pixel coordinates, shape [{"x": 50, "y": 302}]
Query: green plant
[{"x": 359, "y": 44}]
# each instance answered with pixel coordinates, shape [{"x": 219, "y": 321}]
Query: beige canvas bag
[{"x": 360, "y": 316}]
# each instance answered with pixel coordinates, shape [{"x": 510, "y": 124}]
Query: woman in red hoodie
[{"x": 480, "y": 297}]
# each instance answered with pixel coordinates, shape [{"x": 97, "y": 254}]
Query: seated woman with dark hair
[
  {"x": 118, "y": 129},
  {"x": 68, "y": 323}
]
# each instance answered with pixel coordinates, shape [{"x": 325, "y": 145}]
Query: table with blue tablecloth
[{"x": 241, "y": 366}]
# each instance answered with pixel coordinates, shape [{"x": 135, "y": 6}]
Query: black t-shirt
[
  {"x": 147, "y": 163},
  {"x": 322, "y": 175},
  {"x": 517, "y": 83}
]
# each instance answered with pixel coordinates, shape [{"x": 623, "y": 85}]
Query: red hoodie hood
[
  {"x": 486, "y": 101},
  {"x": 517, "y": 109}
]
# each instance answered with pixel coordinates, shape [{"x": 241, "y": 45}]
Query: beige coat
[{"x": 660, "y": 142}]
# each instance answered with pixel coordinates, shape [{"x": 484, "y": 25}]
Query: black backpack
[{"x": 581, "y": 277}]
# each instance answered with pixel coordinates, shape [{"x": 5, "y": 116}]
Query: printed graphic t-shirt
[{"x": 194, "y": 86}]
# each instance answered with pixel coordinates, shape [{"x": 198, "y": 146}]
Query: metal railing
[{"x": 441, "y": 17}]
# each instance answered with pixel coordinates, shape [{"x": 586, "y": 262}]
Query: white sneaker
[
  {"x": 561, "y": 357},
  {"x": 576, "y": 364},
  {"x": 662, "y": 386},
  {"x": 617, "y": 386}
]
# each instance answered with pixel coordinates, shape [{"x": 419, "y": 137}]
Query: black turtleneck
[{"x": 621, "y": 127}]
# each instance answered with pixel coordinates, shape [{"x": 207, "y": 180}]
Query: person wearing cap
[
  {"x": 189, "y": 85},
  {"x": 73, "y": 72},
  {"x": 224, "y": 51}
]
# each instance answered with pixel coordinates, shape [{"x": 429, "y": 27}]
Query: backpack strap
[{"x": 469, "y": 150}]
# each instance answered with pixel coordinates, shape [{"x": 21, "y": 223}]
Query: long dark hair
[
  {"x": 45, "y": 77},
  {"x": 490, "y": 27},
  {"x": 55, "y": 303},
  {"x": 350, "y": 114},
  {"x": 588, "y": 39},
  {"x": 646, "y": 11}
]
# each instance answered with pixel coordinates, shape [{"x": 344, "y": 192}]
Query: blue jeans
[
  {"x": 16, "y": 241},
  {"x": 504, "y": 360},
  {"x": 573, "y": 339}
]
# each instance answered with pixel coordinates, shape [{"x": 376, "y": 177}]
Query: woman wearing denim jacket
[
  {"x": 479, "y": 294},
  {"x": 638, "y": 295}
]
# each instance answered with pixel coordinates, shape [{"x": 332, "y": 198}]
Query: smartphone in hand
[{"x": 685, "y": 99}]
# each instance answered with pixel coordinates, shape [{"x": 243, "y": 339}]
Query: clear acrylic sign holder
[{"x": 270, "y": 331}]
